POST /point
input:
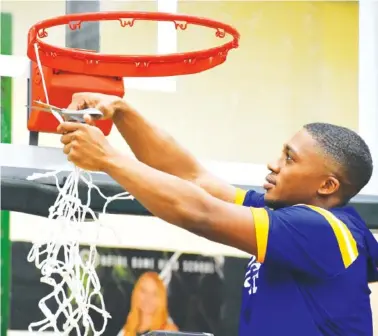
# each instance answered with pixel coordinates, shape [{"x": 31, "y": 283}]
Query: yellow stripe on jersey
[
  {"x": 345, "y": 240},
  {"x": 261, "y": 220},
  {"x": 240, "y": 196}
]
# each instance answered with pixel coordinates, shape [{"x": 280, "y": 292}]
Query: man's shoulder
[
  {"x": 346, "y": 214},
  {"x": 364, "y": 238},
  {"x": 341, "y": 222},
  {"x": 349, "y": 216}
]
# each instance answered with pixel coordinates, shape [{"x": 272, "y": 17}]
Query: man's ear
[{"x": 329, "y": 186}]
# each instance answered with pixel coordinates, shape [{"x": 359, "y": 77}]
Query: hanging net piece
[{"x": 76, "y": 286}]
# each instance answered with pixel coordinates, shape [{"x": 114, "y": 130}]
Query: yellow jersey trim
[
  {"x": 261, "y": 220},
  {"x": 345, "y": 240},
  {"x": 240, "y": 196}
]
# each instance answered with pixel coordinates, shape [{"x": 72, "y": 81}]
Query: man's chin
[{"x": 273, "y": 202}]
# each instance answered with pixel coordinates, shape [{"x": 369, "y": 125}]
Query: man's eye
[{"x": 288, "y": 157}]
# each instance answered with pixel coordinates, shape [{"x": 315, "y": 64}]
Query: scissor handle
[{"x": 79, "y": 114}]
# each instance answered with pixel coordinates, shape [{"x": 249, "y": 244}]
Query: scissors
[{"x": 70, "y": 115}]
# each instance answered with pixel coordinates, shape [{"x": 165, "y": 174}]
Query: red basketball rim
[{"x": 85, "y": 61}]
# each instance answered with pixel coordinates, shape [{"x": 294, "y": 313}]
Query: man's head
[{"x": 323, "y": 164}]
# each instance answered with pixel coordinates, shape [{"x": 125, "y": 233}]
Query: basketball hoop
[
  {"x": 97, "y": 64},
  {"x": 57, "y": 73}
]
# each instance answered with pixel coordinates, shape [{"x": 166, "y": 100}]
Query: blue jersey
[{"x": 310, "y": 276}]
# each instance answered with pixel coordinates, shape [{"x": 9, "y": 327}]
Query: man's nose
[{"x": 274, "y": 166}]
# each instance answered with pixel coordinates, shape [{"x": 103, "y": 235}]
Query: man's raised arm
[{"x": 156, "y": 148}]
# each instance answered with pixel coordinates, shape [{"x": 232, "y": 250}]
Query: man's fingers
[
  {"x": 82, "y": 100},
  {"x": 67, "y": 138},
  {"x": 74, "y": 106},
  {"x": 88, "y": 120},
  {"x": 104, "y": 109},
  {"x": 67, "y": 148},
  {"x": 77, "y": 104},
  {"x": 69, "y": 127}
]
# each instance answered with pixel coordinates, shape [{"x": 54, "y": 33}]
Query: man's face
[{"x": 299, "y": 174}]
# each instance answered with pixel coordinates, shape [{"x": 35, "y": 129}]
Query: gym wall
[
  {"x": 297, "y": 63},
  {"x": 241, "y": 111}
]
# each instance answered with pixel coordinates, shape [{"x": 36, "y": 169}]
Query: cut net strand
[{"x": 40, "y": 69}]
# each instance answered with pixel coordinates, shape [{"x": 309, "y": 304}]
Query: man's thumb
[{"x": 88, "y": 120}]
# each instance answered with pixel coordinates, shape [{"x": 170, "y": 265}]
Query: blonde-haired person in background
[{"x": 149, "y": 307}]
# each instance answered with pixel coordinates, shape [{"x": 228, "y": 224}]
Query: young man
[{"x": 312, "y": 256}]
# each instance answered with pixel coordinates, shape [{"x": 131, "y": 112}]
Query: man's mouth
[{"x": 270, "y": 182}]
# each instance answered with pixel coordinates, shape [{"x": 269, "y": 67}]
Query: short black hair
[{"x": 350, "y": 153}]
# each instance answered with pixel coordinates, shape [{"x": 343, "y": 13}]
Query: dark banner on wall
[{"x": 203, "y": 292}]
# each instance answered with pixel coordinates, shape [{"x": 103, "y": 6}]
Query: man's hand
[
  {"x": 107, "y": 104},
  {"x": 86, "y": 146}
]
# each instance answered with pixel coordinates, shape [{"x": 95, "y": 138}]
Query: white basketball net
[{"x": 76, "y": 287}]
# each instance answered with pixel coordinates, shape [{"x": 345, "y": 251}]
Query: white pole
[{"x": 368, "y": 82}]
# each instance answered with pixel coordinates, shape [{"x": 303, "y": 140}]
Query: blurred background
[{"x": 298, "y": 62}]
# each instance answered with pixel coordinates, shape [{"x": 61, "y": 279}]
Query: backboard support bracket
[{"x": 33, "y": 136}]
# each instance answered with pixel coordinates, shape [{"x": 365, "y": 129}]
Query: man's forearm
[
  {"x": 166, "y": 196},
  {"x": 185, "y": 204},
  {"x": 153, "y": 146},
  {"x": 159, "y": 150}
]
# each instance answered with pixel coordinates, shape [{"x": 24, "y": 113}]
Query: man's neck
[{"x": 326, "y": 203}]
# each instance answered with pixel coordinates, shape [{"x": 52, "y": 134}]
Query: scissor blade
[
  {"x": 49, "y": 106},
  {"x": 43, "y": 109},
  {"x": 74, "y": 115}
]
